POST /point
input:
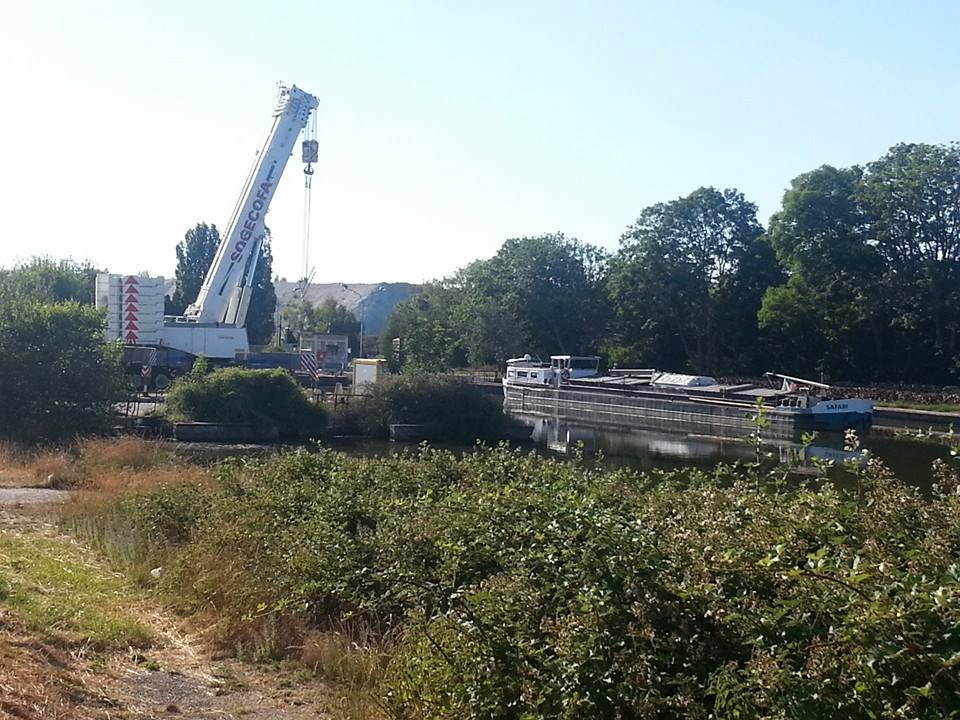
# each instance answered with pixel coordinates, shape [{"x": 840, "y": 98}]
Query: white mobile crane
[{"x": 214, "y": 325}]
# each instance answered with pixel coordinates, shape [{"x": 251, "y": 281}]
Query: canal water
[{"x": 910, "y": 458}]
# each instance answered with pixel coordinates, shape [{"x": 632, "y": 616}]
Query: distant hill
[
  {"x": 377, "y": 304},
  {"x": 378, "y": 300}
]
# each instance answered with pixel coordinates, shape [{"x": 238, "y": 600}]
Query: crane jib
[{"x": 251, "y": 222}]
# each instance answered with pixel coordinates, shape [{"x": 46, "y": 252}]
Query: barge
[{"x": 570, "y": 388}]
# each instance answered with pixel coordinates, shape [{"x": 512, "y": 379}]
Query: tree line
[
  {"x": 59, "y": 377},
  {"x": 857, "y": 277}
]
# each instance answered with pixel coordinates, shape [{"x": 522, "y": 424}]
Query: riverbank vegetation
[
  {"x": 857, "y": 277},
  {"x": 500, "y": 584},
  {"x": 267, "y": 398},
  {"x": 57, "y": 377},
  {"x": 451, "y": 409}
]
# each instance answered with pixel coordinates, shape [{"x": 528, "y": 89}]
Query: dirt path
[{"x": 42, "y": 678}]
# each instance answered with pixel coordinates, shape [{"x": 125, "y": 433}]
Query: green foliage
[
  {"x": 239, "y": 395},
  {"x": 911, "y": 195},
  {"x": 195, "y": 254},
  {"x": 687, "y": 282},
  {"x": 57, "y": 377},
  {"x": 263, "y": 300},
  {"x": 425, "y": 324},
  {"x": 456, "y": 411},
  {"x": 45, "y": 280},
  {"x": 523, "y": 587},
  {"x": 537, "y": 294},
  {"x": 329, "y": 317},
  {"x": 874, "y": 261},
  {"x": 827, "y": 316}
]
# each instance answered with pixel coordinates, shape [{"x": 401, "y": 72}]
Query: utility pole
[{"x": 360, "y": 304}]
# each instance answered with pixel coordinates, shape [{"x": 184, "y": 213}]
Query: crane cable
[
  {"x": 306, "y": 225},
  {"x": 310, "y": 137}
]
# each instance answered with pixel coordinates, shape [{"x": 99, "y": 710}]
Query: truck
[{"x": 159, "y": 346}]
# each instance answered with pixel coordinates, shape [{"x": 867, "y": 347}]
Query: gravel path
[
  {"x": 31, "y": 496},
  {"x": 179, "y": 681}
]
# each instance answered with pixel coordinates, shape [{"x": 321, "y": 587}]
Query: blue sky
[{"x": 444, "y": 127}]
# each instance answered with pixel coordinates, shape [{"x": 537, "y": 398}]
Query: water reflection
[{"x": 910, "y": 459}]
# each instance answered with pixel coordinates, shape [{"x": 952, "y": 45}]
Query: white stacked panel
[{"x": 134, "y": 306}]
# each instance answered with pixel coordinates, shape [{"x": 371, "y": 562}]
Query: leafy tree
[
  {"x": 913, "y": 197},
  {"x": 58, "y": 377},
  {"x": 874, "y": 262},
  {"x": 828, "y": 316},
  {"x": 425, "y": 325},
  {"x": 542, "y": 295},
  {"x": 688, "y": 272},
  {"x": 45, "y": 280},
  {"x": 195, "y": 254},
  {"x": 263, "y": 301},
  {"x": 328, "y": 317}
]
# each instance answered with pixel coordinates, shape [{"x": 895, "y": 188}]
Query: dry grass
[
  {"x": 38, "y": 681},
  {"x": 9, "y": 453},
  {"x": 352, "y": 659},
  {"x": 54, "y": 469},
  {"x": 100, "y": 455},
  {"x": 13, "y": 472},
  {"x": 100, "y": 463}
]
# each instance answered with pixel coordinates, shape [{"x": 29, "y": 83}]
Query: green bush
[
  {"x": 522, "y": 587},
  {"x": 57, "y": 378},
  {"x": 239, "y": 395},
  {"x": 455, "y": 410}
]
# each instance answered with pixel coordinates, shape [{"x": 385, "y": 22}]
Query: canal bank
[{"x": 894, "y": 418}]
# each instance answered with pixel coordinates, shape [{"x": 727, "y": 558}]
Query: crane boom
[
  {"x": 214, "y": 325},
  {"x": 225, "y": 294}
]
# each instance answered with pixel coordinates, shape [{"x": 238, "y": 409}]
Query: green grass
[
  {"x": 903, "y": 405},
  {"x": 52, "y": 588}
]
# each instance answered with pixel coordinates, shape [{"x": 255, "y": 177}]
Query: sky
[{"x": 444, "y": 127}]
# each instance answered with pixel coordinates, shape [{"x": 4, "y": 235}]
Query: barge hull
[{"x": 655, "y": 411}]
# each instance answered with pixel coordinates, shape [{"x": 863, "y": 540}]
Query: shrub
[
  {"x": 455, "y": 410},
  {"x": 518, "y": 586},
  {"x": 57, "y": 377},
  {"x": 239, "y": 395}
]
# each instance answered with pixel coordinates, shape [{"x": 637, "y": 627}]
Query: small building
[
  {"x": 332, "y": 351},
  {"x": 367, "y": 371}
]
